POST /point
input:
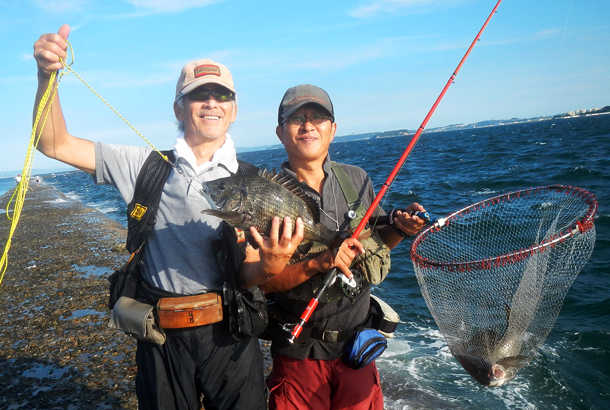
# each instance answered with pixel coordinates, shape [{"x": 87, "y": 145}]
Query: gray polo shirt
[{"x": 178, "y": 256}]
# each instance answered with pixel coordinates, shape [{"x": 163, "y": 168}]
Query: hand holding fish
[{"x": 275, "y": 251}]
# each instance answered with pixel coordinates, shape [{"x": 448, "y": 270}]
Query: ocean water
[
  {"x": 446, "y": 172},
  {"x": 7, "y": 184}
]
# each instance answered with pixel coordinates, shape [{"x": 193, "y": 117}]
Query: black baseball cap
[{"x": 298, "y": 96}]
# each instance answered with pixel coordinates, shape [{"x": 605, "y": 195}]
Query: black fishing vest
[
  {"x": 142, "y": 210},
  {"x": 306, "y": 290},
  {"x": 356, "y": 210}
]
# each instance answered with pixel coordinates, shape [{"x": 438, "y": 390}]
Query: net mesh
[{"x": 494, "y": 275}]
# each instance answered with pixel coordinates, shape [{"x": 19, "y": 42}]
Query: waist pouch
[
  {"x": 124, "y": 281},
  {"x": 250, "y": 317},
  {"x": 382, "y": 317},
  {"x": 136, "y": 319},
  {"x": 189, "y": 311},
  {"x": 366, "y": 346}
]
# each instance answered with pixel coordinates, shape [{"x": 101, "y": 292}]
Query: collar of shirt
[
  {"x": 325, "y": 166},
  {"x": 225, "y": 155},
  {"x": 328, "y": 199}
]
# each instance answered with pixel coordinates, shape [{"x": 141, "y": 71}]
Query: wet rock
[{"x": 56, "y": 350}]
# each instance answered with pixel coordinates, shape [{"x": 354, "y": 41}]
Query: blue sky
[{"x": 383, "y": 62}]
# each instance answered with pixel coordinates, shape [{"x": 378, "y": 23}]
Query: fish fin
[
  {"x": 247, "y": 168},
  {"x": 514, "y": 361},
  {"x": 230, "y": 217},
  {"x": 304, "y": 248},
  {"x": 294, "y": 186},
  {"x": 301, "y": 251},
  {"x": 318, "y": 247},
  {"x": 250, "y": 239}
]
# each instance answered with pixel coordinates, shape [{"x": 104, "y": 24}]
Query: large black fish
[
  {"x": 253, "y": 200},
  {"x": 494, "y": 357}
]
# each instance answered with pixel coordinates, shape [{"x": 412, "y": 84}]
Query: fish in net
[{"x": 494, "y": 274}]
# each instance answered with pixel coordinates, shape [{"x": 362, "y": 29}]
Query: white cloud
[
  {"x": 551, "y": 32},
  {"x": 391, "y": 6},
  {"x": 171, "y": 5},
  {"x": 62, "y": 6},
  {"x": 275, "y": 63}
]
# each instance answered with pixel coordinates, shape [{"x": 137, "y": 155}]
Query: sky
[{"x": 383, "y": 62}]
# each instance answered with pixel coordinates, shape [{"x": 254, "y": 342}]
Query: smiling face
[
  {"x": 206, "y": 120},
  {"x": 307, "y": 142}
]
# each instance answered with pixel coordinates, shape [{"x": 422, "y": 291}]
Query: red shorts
[{"x": 322, "y": 385}]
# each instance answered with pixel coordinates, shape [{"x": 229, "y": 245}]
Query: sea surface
[{"x": 446, "y": 172}]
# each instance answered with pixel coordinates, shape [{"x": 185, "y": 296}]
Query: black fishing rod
[{"x": 332, "y": 274}]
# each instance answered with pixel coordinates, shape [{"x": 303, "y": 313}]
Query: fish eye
[{"x": 222, "y": 185}]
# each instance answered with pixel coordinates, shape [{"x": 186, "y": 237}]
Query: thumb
[
  {"x": 64, "y": 31},
  {"x": 345, "y": 269},
  {"x": 258, "y": 239}
]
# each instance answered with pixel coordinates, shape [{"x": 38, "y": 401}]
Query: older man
[
  {"x": 310, "y": 374},
  {"x": 198, "y": 363}
]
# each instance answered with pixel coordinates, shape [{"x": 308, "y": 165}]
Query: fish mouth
[
  {"x": 206, "y": 192},
  {"x": 484, "y": 372},
  {"x": 497, "y": 375},
  {"x": 218, "y": 196}
]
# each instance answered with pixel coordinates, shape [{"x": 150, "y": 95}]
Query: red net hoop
[{"x": 494, "y": 274}]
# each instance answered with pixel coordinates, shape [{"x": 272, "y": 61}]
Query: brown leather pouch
[{"x": 189, "y": 311}]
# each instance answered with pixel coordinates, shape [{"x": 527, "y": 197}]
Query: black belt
[{"x": 332, "y": 336}]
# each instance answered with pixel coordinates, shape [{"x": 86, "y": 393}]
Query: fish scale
[{"x": 245, "y": 201}]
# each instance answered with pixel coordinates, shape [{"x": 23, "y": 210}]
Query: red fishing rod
[{"x": 332, "y": 274}]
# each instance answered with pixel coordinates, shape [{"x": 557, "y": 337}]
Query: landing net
[{"x": 494, "y": 275}]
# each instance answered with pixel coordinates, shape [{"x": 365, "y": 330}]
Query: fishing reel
[{"x": 350, "y": 288}]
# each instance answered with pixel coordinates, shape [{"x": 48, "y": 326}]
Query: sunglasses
[
  {"x": 315, "y": 119},
  {"x": 201, "y": 94}
]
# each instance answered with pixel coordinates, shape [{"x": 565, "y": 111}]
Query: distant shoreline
[
  {"x": 376, "y": 135},
  {"x": 453, "y": 127}
]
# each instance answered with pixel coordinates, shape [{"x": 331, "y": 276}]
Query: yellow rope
[
  {"x": 117, "y": 113},
  {"x": 22, "y": 187}
]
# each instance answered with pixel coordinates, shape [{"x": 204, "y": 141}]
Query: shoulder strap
[
  {"x": 350, "y": 193},
  {"x": 142, "y": 209}
]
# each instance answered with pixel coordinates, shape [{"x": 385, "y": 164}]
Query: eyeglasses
[
  {"x": 315, "y": 119},
  {"x": 201, "y": 94}
]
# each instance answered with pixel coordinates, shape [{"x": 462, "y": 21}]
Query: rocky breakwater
[{"x": 56, "y": 351}]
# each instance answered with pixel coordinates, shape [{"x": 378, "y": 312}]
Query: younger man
[{"x": 310, "y": 373}]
